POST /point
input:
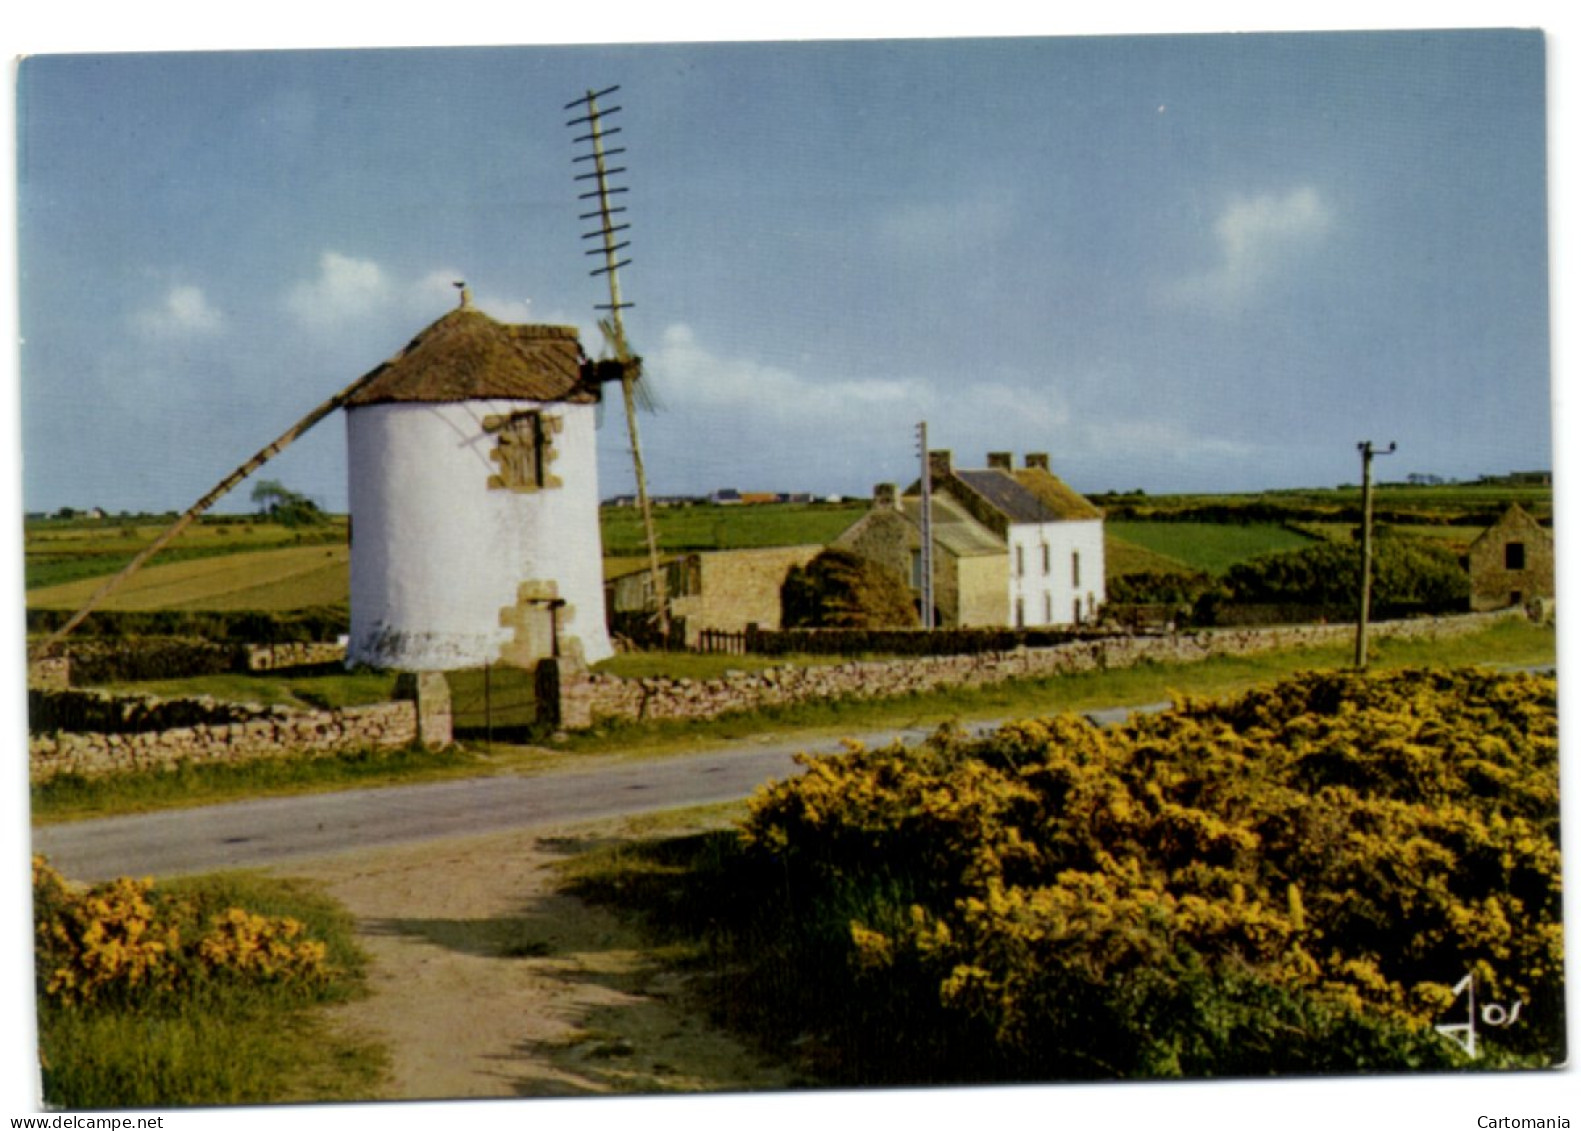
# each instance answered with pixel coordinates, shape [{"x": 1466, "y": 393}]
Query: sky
[{"x": 1173, "y": 262}]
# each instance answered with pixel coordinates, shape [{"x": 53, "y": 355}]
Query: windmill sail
[{"x": 610, "y": 225}]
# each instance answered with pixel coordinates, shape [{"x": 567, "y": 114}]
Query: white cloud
[
  {"x": 1256, "y": 237},
  {"x": 185, "y": 312},
  {"x": 952, "y": 227},
  {"x": 345, "y": 289},
  {"x": 693, "y": 376},
  {"x": 791, "y": 430}
]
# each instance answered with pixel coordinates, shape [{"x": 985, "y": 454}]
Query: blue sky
[{"x": 1179, "y": 263}]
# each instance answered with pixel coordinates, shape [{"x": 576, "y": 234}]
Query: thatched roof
[{"x": 466, "y": 355}]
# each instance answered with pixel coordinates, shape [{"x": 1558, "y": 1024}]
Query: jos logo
[{"x": 1493, "y": 1015}]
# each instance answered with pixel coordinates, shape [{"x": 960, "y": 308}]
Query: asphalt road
[
  {"x": 250, "y": 834},
  {"x": 255, "y": 833}
]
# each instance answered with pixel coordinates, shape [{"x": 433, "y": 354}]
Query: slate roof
[{"x": 466, "y": 355}]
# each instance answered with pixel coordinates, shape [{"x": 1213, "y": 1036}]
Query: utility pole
[
  {"x": 926, "y": 564},
  {"x": 1367, "y": 453}
]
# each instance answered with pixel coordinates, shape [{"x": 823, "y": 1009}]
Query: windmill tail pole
[{"x": 224, "y": 486}]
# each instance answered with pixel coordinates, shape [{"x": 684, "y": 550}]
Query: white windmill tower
[{"x": 473, "y": 477}]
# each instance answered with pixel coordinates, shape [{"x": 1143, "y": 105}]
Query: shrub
[
  {"x": 121, "y": 941},
  {"x": 1409, "y": 574},
  {"x": 839, "y": 589},
  {"x": 1293, "y": 880}
]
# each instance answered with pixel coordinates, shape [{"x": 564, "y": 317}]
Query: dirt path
[{"x": 487, "y": 982}]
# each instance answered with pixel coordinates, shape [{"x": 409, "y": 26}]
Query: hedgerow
[{"x": 1295, "y": 880}]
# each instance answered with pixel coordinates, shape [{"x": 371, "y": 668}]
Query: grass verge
[
  {"x": 317, "y": 690},
  {"x": 220, "y": 1042}
]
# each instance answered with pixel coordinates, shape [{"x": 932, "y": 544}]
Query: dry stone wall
[
  {"x": 591, "y": 698},
  {"x": 270, "y": 657},
  {"x": 93, "y": 733}
]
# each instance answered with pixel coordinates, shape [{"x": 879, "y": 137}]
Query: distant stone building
[
  {"x": 718, "y": 590},
  {"x": 1511, "y": 563},
  {"x": 1013, "y": 547}
]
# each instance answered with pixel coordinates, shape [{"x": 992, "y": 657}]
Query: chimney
[
  {"x": 1038, "y": 461},
  {"x": 885, "y": 497},
  {"x": 1000, "y": 461},
  {"x": 941, "y": 464}
]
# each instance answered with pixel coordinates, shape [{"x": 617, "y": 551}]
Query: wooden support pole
[{"x": 1365, "y": 602}]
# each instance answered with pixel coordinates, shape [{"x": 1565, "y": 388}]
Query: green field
[
  {"x": 1211, "y": 547},
  {"x": 1450, "y": 503},
  {"x": 244, "y": 563},
  {"x": 266, "y": 580},
  {"x": 712, "y": 527},
  {"x": 60, "y": 551}
]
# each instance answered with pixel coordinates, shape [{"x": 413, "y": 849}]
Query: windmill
[{"x": 609, "y": 247}]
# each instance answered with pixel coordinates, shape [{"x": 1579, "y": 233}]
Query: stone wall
[
  {"x": 50, "y": 671},
  {"x": 586, "y": 700},
  {"x": 271, "y": 657},
  {"x": 95, "y": 733}
]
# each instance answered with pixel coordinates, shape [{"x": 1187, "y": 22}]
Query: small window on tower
[
  {"x": 523, "y": 449},
  {"x": 1514, "y": 555}
]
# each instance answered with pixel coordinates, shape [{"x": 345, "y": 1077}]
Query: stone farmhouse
[
  {"x": 1511, "y": 563},
  {"x": 969, "y": 564},
  {"x": 1012, "y": 546}
]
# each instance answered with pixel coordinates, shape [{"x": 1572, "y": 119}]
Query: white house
[
  {"x": 1012, "y": 547},
  {"x": 1053, "y": 536},
  {"x": 474, "y": 500}
]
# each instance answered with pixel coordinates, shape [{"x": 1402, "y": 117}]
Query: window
[
  {"x": 1021, "y": 561},
  {"x": 1075, "y": 568},
  {"x": 1046, "y": 556},
  {"x": 1514, "y": 555},
  {"x": 1021, "y": 612},
  {"x": 523, "y": 449},
  {"x": 1048, "y": 608},
  {"x": 1075, "y": 611}
]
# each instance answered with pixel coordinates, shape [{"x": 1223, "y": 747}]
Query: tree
[{"x": 280, "y": 504}]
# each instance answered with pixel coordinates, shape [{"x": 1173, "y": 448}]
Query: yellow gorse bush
[
  {"x": 1359, "y": 841},
  {"x": 122, "y": 938},
  {"x": 108, "y": 936},
  {"x": 257, "y": 945}
]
